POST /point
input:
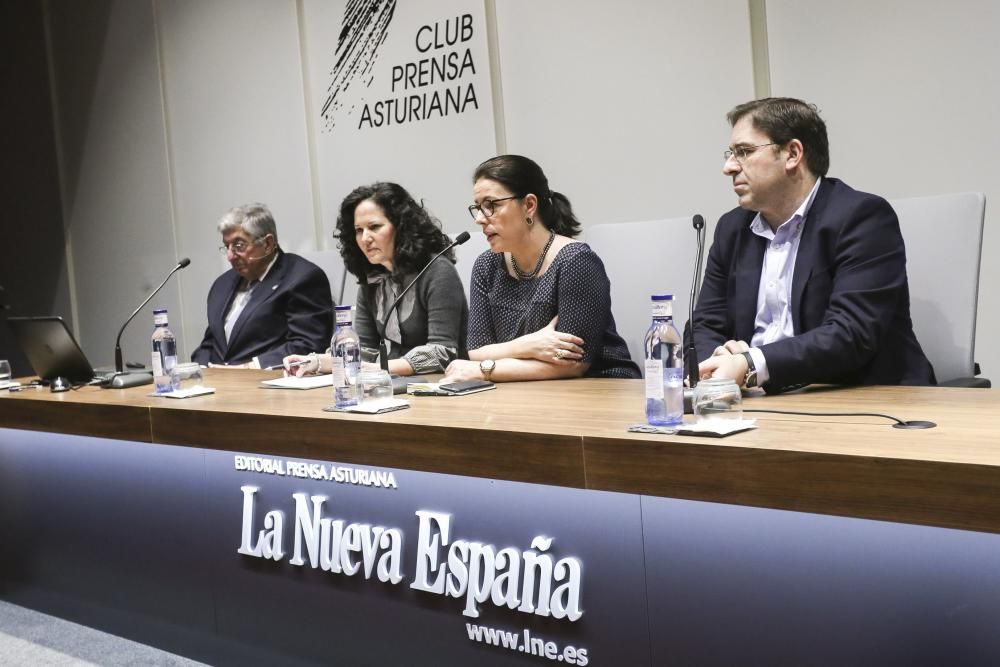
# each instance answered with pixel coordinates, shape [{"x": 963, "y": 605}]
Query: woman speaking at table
[
  {"x": 386, "y": 238},
  {"x": 540, "y": 302}
]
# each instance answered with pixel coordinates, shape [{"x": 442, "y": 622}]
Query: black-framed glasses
[
  {"x": 488, "y": 207},
  {"x": 741, "y": 153}
]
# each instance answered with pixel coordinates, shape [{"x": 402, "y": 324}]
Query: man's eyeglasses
[
  {"x": 741, "y": 153},
  {"x": 238, "y": 247},
  {"x": 488, "y": 207}
]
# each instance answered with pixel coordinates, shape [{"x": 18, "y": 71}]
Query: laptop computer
[{"x": 51, "y": 349}]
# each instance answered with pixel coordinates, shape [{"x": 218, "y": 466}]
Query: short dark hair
[
  {"x": 786, "y": 118},
  {"x": 523, "y": 177},
  {"x": 418, "y": 234}
]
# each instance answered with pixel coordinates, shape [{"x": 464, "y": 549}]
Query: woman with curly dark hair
[{"x": 385, "y": 238}]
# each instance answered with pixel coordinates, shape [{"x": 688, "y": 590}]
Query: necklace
[{"x": 528, "y": 275}]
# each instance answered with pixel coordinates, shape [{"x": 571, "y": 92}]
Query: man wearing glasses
[
  {"x": 806, "y": 280},
  {"x": 269, "y": 304}
]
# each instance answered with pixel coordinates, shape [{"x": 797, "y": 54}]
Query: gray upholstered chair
[
  {"x": 641, "y": 259},
  {"x": 943, "y": 236}
]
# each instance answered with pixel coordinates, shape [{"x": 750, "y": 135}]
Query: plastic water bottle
[
  {"x": 164, "y": 352},
  {"x": 664, "y": 365},
  {"x": 346, "y": 349}
]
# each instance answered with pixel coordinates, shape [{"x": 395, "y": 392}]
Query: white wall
[
  {"x": 171, "y": 111},
  {"x": 623, "y": 103},
  {"x": 232, "y": 74},
  {"x": 114, "y": 179},
  {"x": 911, "y": 95}
]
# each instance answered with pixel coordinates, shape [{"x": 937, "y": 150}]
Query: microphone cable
[{"x": 915, "y": 424}]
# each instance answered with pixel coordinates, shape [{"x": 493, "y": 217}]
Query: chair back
[
  {"x": 943, "y": 236},
  {"x": 343, "y": 285},
  {"x": 642, "y": 259}
]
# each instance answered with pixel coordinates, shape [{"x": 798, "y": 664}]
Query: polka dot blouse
[{"x": 575, "y": 287}]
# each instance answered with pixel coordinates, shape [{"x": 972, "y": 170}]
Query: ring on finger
[{"x": 559, "y": 353}]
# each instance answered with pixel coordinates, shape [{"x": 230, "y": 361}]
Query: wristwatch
[
  {"x": 486, "y": 367},
  {"x": 750, "y": 379}
]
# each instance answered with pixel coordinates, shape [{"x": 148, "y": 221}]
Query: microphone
[
  {"x": 382, "y": 347},
  {"x": 123, "y": 379},
  {"x": 690, "y": 353},
  {"x": 254, "y": 259}
]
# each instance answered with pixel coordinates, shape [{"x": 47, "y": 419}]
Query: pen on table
[{"x": 294, "y": 364}]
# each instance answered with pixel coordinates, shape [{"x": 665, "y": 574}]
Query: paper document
[
  {"x": 375, "y": 407},
  {"x": 304, "y": 382},
  {"x": 187, "y": 393},
  {"x": 713, "y": 428}
]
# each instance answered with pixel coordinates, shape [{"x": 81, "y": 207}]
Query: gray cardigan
[{"x": 428, "y": 328}]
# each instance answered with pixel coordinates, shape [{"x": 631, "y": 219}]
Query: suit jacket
[
  {"x": 289, "y": 312},
  {"x": 850, "y": 298}
]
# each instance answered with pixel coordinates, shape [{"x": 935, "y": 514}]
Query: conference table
[{"x": 250, "y": 525}]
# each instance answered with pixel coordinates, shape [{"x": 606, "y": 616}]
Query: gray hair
[{"x": 255, "y": 219}]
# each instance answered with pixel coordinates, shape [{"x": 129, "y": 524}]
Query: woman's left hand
[
  {"x": 462, "y": 369},
  {"x": 550, "y": 346}
]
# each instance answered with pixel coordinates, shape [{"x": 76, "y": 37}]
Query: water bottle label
[
  {"x": 157, "y": 364},
  {"x": 343, "y": 316},
  {"x": 663, "y": 308},
  {"x": 339, "y": 372},
  {"x": 654, "y": 378}
]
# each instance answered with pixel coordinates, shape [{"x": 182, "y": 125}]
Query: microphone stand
[
  {"x": 382, "y": 347},
  {"x": 690, "y": 353},
  {"x": 123, "y": 379}
]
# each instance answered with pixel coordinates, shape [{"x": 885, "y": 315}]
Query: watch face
[{"x": 487, "y": 365}]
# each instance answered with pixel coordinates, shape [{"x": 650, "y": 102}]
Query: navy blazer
[
  {"x": 850, "y": 298},
  {"x": 289, "y": 312}
]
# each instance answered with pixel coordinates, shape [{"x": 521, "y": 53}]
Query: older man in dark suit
[
  {"x": 269, "y": 304},
  {"x": 806, "y": 280}
]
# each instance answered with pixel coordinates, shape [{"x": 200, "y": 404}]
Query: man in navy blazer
[
  {"x": 806, "y": 280},
  {"x": 270, "y": 304}
]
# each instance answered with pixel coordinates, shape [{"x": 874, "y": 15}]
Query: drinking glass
[
  {"x": 186, "y": 376},
  {"x": 4, "y": 371},
  {"x": 717, "y": 398},
  {"x": 376, "y": 385}
]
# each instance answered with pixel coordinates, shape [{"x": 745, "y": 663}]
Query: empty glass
[
  {"x": 376, "y": 385},
  {"x": 717, "y": 398},
  {"x": 4, "y": 371},
  {"x": 186, "y": 376}
]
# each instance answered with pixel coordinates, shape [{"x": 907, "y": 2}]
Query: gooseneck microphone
[
  {"x": 690, "y": 353},
  {"x": 121, "y": 378},
  {"x": 382, "y": 347}
]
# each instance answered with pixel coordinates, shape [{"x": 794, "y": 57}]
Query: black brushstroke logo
[
  {"x": 363, "y": 31},
  {"x": 435, "y": 80}
]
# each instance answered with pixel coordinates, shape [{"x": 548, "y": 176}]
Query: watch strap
[{"x": 750, "y": 379}]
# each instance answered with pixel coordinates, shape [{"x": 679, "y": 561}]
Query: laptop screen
[{"x": 50, "y": 348}]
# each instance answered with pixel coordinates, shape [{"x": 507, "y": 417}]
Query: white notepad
[
  {"x": 304, "y": 382},
  {"x": 370, "y": 407},
  {"x": 713, "y": 428},
  {"x": 187, "y": 393}
]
